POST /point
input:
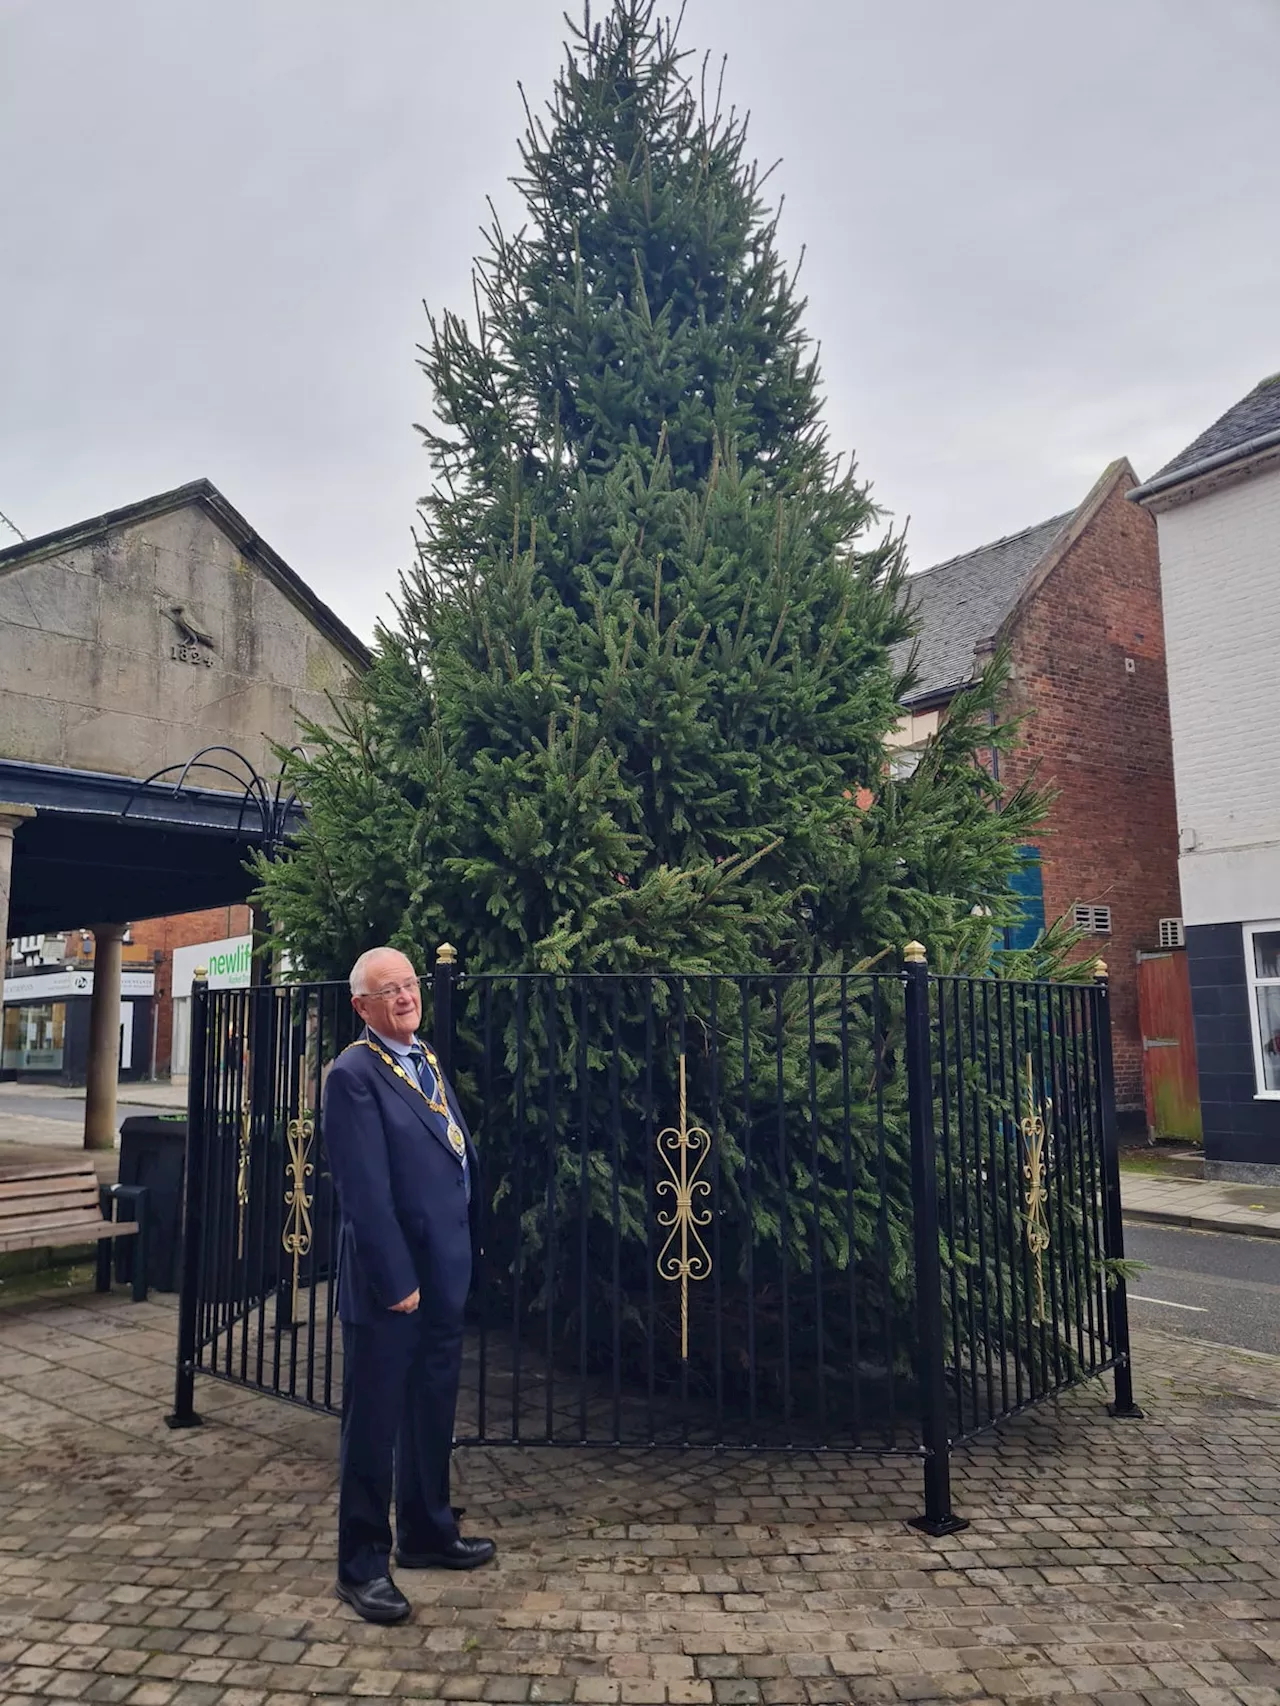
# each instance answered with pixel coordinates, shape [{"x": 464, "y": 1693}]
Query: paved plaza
[{"x": 1115, "y": 1562}]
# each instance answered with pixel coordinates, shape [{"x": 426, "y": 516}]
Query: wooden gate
[{"x": 1168, "y": 1047}]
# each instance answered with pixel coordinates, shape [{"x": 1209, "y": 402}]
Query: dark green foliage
[
  {"x": 632, "y": 713},
  {"x": 642, "y": 671}
]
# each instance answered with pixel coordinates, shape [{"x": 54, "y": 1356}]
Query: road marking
[{"x": 1165, "y": 1303}]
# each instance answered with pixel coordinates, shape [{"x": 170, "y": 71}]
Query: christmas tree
[
  {"x": 632, "y": 711},
  {"x": 631, "y": 715}
]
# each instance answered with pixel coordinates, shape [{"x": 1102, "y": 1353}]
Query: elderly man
[{"x": 403, "y": 1166}]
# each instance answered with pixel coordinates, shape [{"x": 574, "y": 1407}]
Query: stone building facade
[
  {"x": 130, "y": 642},
  {"x": 164, "y": 642}
]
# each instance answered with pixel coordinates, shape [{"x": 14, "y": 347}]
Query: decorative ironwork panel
[
  {"x": 296, "y": 1238},
  {"x": 703, "y": 1205},
  {"x": 684, "y": 1150}
]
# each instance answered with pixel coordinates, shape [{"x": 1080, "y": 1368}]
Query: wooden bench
[{"x": 53, "y": 1205}]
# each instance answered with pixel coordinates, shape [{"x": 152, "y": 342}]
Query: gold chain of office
[{"x": 438, "y": 1104}]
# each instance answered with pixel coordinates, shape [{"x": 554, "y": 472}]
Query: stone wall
[{"x": 96, "y": 674}]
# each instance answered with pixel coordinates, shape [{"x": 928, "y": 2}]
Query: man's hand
[{"x": 407, "y": 1305}]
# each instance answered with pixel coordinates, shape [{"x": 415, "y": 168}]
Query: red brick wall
[
  {"x": 182, "y": 931},
  {"x": 1100, "y": 736}
]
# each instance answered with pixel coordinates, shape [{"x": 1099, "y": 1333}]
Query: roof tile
[
  {"x": 1252, "y": 417},
  {"x": 963, "y": 601}
]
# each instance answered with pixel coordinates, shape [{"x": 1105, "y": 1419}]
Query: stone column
[
  {"x": 11, "y": 817},
  {"x": 104, "y": 1038}
]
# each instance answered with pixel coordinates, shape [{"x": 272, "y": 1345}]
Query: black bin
[{"x": 153, "y": 1152}]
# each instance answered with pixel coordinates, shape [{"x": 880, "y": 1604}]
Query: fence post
[
  {"x": 1112, "y": 1215},
  {"x": 442, "y": 1004},
  {"x": 931, "y": 1377},
  {"x": 184, "y": 1414},
  {"x": 260, "y": 1027}
]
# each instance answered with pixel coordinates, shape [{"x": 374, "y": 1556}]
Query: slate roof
[
  {"x": 1255, "y": 416},
  {"x": 963, "y": 601}
]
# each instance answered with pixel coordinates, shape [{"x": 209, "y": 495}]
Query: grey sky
[{"x": 1038, "y": 238}]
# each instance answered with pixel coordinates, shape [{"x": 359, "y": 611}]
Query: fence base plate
[
  {"x": 939, "y": 1525},
  {"x": 1127, "y": 1412},
  {"x": 191, "y": 1421}
]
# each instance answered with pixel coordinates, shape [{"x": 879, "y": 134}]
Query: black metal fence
[{"x": 869, "y": 1212}]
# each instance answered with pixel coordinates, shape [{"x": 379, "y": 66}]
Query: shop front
[
  {"x": 228, "y": 964},
  {"x": 46, "y": 1025}
]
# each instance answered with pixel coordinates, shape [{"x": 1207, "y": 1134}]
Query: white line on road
[{"x": 1165, "y": 1303}]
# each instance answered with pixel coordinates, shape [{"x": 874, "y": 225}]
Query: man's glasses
[{"x": 389, "y": 991}]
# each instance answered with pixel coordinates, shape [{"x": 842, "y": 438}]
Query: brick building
[
  {"x": 165, "y": 938},
  {"x": 48, "y": 992},
  {"x": 50, "y": 978},
  {"x": 1077, "y": 600}
]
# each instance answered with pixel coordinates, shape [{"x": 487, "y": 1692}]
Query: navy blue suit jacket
[{"x": 402, "y": 1192}]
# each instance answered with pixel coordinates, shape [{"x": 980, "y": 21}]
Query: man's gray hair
[{"x": 362, "y": 965}]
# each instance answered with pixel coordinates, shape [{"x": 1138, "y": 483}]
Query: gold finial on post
[
  {"x": 201, "y": 974},
  {"x": 914, "y": 954},
  {"x": 446, "y": 954},
  {"x": 1100, "y": 970}
]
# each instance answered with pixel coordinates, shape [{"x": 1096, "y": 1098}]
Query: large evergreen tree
[{"x": 632, "y": 710}]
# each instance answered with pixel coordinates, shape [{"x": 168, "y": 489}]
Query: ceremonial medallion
[{"x": 438, "y": 1103}]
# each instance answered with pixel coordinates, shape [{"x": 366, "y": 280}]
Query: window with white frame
[{"x": 1262, "y": 967}]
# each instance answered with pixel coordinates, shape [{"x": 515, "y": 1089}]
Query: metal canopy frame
[{"x": 104, "y": 848}]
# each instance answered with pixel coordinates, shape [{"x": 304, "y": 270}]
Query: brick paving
[{"x": 1122, "y": 1563}]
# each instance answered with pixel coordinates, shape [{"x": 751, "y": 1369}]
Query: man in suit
[{"x": 403, "y": 1166}]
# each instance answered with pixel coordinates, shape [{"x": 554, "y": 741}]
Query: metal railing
[{"x": 867, "y": 1212}]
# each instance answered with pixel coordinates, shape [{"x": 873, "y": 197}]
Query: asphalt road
[
  {"x": 1218, "y": 1286},
  {"x": 68, "y": 1108}
]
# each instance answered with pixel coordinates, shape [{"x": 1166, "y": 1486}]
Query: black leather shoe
[
  {"x": 378, "y": 1601},
  {"x": 459, "y": 1554}
]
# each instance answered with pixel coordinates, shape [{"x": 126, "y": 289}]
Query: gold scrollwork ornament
[
  {"x": 297, "y": 1232},
  {"x": 684, "y": 1257},
  {"x": 1034, "y": 1133},
  {"x": 242, "y": 1174}
]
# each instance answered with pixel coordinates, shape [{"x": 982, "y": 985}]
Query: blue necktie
[{"x": 432, "y": 1087}]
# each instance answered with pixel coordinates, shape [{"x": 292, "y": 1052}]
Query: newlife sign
[
  {"x": 58, "y": 985},
  {"x": 229, "y": 962}
]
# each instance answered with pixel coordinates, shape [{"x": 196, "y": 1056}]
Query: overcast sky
[{"x": 1038, "y": 238}]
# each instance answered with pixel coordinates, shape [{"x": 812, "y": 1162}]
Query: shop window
[{"x": 33, "y": 1037}]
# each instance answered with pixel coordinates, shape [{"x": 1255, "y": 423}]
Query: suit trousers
[{"x": 399, "y": 1396}]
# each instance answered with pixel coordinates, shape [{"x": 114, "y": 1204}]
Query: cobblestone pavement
[{"x": 1114, "y": 1562}]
